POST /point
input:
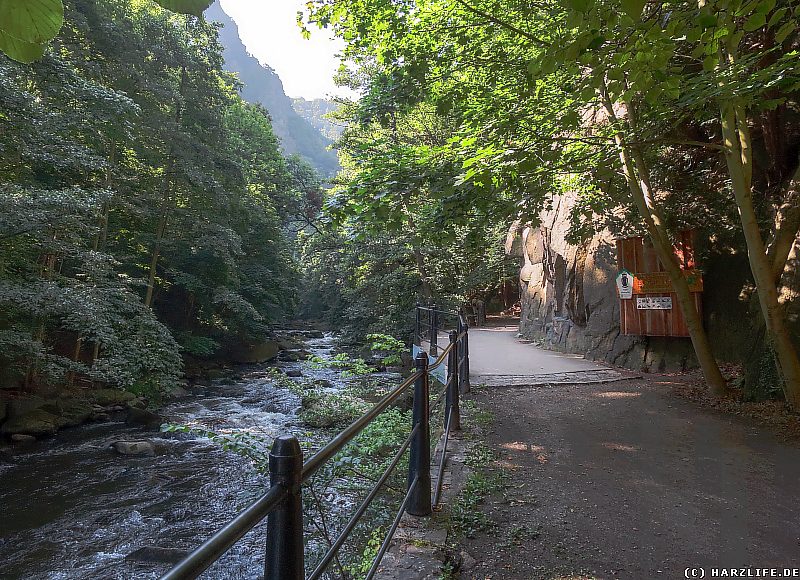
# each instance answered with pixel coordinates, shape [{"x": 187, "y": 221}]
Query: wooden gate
[{"x": 653, "y": 309}]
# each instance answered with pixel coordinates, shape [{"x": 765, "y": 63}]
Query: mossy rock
[
  {"x": 72, "y": 412},
  {"x": 110, "y": 397},
  {"x": 34, "y": 422},
  {"x": 19, "y": 407}
]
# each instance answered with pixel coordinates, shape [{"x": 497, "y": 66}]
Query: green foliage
[
  {"x": 348, "y": 366},
  {"x": 200, "y": 346},
  {"x": 244, "y": 443},
  {"x": 369, "y": 554},
  {"x": 466, "y": 516},
  {"x": 195, "y": 7},
  {"x": 27, "y": 26},
  {"x": 521, "y": 89},
  {"x": 388, "y": 347},
  {"x": 141, "y": 200}
]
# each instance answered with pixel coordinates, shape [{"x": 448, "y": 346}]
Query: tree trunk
[
  {"x": 419, "y": 258},
  {"x": 787, "y": 224},
  {"x": 427, "y": 292},
  {"x": 736, "y": 140},
  {"x": 638, "y": 179},
  {"x": 156, "y": 253},
  {"x": 165, "y": 202}
]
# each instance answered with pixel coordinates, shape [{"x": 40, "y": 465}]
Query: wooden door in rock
[{"x": 653, "y": 310}]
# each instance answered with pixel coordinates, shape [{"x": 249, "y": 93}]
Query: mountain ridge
[{"x": 261, "y": 84}]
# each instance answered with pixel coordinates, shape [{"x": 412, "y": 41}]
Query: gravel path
[{"x": 624, "y": 480}]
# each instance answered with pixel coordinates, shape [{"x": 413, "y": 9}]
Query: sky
[{"x": 269, "y": 30}]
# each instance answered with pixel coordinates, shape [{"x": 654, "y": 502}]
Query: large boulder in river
[
  {"x": 259, "y": 352},
  {"x": 134, "y": 448},
  {"x": 71, "y": 412}
]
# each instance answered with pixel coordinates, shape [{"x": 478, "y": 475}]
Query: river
[{"x": 72, "y": 508}]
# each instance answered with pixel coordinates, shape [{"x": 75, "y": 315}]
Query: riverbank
[{"x": 26, "y": 418}]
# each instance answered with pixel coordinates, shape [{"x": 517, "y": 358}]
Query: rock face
[
  {"x": 569, "y": 300},
  {"x": 262, "y": 85}
]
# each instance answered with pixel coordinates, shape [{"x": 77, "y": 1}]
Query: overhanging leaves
[{"x": 31, "y": 21}]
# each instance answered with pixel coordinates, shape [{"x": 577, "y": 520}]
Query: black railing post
[
  {"x": 284, "y": 559},
  {"x": 465, "y": 366},
  {"x": 434, "y": 318},
  {"x": 452, "y": 409},
  {"x": 417, "y": 326},
  {"x": 419, "y": 464}
]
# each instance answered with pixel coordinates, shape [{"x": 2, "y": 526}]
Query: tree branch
[{"x": 504, "y": 24}]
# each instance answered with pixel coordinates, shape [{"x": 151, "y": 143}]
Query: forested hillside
[
  {"x": 260, "y": 84},
  {"x": 143, "y": 203},
  {"x": 317, "y": 112}
]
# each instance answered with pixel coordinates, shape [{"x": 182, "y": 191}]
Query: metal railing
[
  {"x": 428, "y": 323},
  {"x": 282, "y": 503}
]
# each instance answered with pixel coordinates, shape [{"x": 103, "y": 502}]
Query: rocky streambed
[{"x": 112, "y": 499}]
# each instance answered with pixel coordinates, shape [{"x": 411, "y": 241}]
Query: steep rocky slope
[{"x": 261, "y": 84}]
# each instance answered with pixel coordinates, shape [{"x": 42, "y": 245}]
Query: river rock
[
  {"x": 287, "y": 344},
  {"x": 144, "y": 417},
  {"x": 294, "y": 373},
  {"x": 34, "y": 422},
  {"x": 134, "y": 448},
  {"x": 71, "y": 412},
  {"x": 110, "y": 397},
  {"x": 22, "y": 438},
  {"x": 19, "y": 407},
  {"x": 178, "y": 392},
  {"x": 215, "y": 374},
  {"x": 156, "y": 555},
  {"x": 315, "y": 334},
  {"x": 254, "y": 353}
]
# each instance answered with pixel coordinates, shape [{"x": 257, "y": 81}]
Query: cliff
[{"x": 261, "y": 84}]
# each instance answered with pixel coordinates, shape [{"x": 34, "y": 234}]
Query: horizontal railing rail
[{"x": 282, "y": 503}]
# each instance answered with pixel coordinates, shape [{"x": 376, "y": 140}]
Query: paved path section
[{"x": 499, "y": 358}]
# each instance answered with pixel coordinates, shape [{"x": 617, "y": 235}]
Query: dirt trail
[{"x": 623, "y": 480}]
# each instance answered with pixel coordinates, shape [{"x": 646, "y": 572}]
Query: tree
[
  {"x": 566, "y": 95},
  {"x": 144, "y": 203}
]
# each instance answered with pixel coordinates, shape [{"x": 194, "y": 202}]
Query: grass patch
[{"x": 475, "y": 415}]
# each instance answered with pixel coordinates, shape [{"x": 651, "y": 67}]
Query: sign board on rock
[
  {"x": 660, "y": 283},
  {"x": 654, "y": 302},
  {"x": 625, "y": 285}
]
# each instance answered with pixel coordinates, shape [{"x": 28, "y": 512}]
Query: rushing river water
[{"x": 71, "y": 508}]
